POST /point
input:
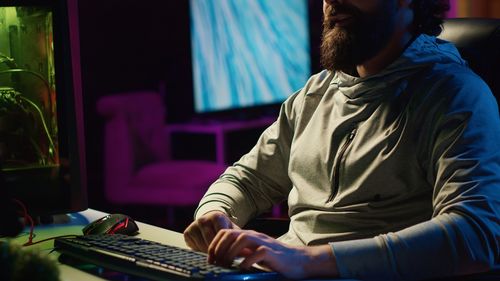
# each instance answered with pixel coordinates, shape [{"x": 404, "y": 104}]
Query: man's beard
[{"x": 344, "y": 47}]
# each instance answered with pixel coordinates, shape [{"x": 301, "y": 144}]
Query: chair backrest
[
  {"x": 134, "y": 134},
  {"x": 478, "y": 40}
]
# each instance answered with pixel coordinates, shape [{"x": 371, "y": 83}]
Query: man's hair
[{"x": 429, "y": 15}]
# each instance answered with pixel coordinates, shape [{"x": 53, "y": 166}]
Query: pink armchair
[{"x": 138, "y": 168}]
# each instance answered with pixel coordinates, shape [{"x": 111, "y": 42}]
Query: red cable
[
  {"x": 52, "y": 238},
  {"x": 26, "y": 218}
]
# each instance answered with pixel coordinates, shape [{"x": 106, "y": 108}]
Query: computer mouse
[{"x": 112, "y": 224}]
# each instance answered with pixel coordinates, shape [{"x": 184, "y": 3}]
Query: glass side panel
[{"x": 28, "y": 117}]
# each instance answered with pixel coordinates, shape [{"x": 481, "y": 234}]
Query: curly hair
[{"x": 429, "y": 15}]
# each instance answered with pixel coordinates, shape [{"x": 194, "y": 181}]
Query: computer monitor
[
  {"x": 41, "y": 121},
  {"x": 248, "y": 53}
]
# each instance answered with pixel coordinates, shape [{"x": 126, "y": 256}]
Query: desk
[{"x": 73, "y": 224}]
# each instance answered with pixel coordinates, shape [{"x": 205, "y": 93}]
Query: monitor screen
[
  {"x": 248, "y": 53},
  {"x": 41, "y": 128}
]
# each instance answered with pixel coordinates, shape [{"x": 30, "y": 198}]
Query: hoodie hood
[{"x": 424, "y": 51}]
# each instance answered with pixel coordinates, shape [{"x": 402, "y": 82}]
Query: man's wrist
[
  {"x": 322, "y": 262},
  {"x": 203, "y": 210},
  {"x": 214, "y": 211}
]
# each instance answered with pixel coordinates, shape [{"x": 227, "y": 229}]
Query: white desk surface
[{"x": 72, "y": 224}]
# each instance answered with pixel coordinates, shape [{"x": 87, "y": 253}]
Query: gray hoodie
[{"x": 399, "y": 171}]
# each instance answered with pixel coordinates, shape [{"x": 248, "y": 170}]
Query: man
[{"x": 390, "y": 159}]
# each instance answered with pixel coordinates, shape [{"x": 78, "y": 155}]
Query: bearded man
[{"x": 389, "y": 159}]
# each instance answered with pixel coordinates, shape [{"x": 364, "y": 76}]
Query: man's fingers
[
  {"x": 229, "y": 244},
  {"x": 208, "y": 231},
  {"x": 189, "y": 241},
  {"x": 213, "y": 244},
  {"x": 245, "y": 252},
  {"x": 194, "y": 238},
  {"x": 209, "y": 234},
  {"x": 243, "y": 245},
  {"x": 188, "y": 237},
  {"x": 218, "y": 248},
  {"x": 199, "y": 234},
  {"x": 262, "y": 254}
]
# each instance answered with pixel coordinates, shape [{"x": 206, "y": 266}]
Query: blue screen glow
[{"x": 248, "y": 52}]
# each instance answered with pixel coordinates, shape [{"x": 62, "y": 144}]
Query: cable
[
  {"x": 53, "y": 147},
  {"x": 46, "y": 84},
  {"x": 16, "y": 95},
  {"x": 51, "y": 238},
  {"x": 36, "y": 74},
  {"x": 26, "y": 217}
]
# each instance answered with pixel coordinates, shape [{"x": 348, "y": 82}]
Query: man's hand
[
  {"x": 200, "y": 233},
  {"x": 255, "y": 247}
]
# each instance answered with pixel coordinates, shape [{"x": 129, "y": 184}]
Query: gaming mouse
[{"x": 112, "y": 224}]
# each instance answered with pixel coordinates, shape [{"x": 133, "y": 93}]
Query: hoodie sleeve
[
  {"x": 260, "y": 178},
  {"x": 463, "y": 164}
]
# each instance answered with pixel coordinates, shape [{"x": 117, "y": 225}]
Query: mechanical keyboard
[{"x": 151, "y": 260}]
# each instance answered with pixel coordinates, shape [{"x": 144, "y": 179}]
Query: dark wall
[{"x": 131, "y": 45}]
